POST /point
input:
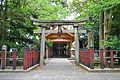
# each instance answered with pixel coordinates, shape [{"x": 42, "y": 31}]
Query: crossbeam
[
  {"x": 56, "y": 31},
  {"x": 57, "y": 22}
]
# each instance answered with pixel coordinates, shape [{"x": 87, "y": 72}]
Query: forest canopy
[
  {"x": 94, "y": 10},
  {"x": 16, "y": 28}
]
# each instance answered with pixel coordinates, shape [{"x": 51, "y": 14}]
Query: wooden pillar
[
  {"x": 14, "y": 59},
  {"x": 80, "y": 56},
  {"x": 102, "y": 36},
  {"x": 70, "y": 49},
  {"x": 90, "y": 40},
  {"x": 25, "y": 60},
  {"x": 76, "y": 44},
  {"x": 91, "y": 48},
  {"x": 102, "y": 58},
  {"x": 101, "y": 30},
  {"x": 119, "y": 57},
  {"x": 33, "y": 52},
  {"x": 42, "y": 48},
  {"x": 111, "y": 59},
  {"x": 47, "y": 52},
  {"x": 29, "y": 59},
  {"x": 3, "y": 60},
  {"x": 91, "y": 57}
]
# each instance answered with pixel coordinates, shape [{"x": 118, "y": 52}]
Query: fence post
[
  {"x": 91, "y": 53},
  {"x": 37, "y": 56},
  {"x": 14, "y": 58},
  {"x": 111, "y": 59},
  {"x": 25, "y": 62},
  {"x": 79, "y": 55},
  {"x": 86, "y": 58},
  {"x": 3, "y": 60},
  {"x": 119, "y": 57},
  {"x": 83, "y": 57},
  {"x": 102, "y": 58},
  {"x": 31, "y": 58},
  {"x": 28, "y": 58}
]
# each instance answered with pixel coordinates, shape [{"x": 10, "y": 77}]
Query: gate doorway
[{"x": 59, "y": 50}]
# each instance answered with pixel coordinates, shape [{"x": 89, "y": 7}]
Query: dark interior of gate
[
  {"x": 62, "y": 43},
  {"x": 59, "y": 50}
]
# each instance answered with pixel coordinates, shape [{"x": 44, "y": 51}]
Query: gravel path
[{"x": 59, "y": 69}]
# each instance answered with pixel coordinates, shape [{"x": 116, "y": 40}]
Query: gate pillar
[
  {"x": 76, "y": 44},
  {"x": 42, "y": 48}
]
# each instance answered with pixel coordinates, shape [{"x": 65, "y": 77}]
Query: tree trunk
[
  {"x": 105, "y": 27},
  {"x": 4, "y": 20},
  {"x": 101, "y": 29},
  {"x": 110, "y": 21}
]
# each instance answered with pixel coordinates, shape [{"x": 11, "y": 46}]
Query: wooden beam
[
  {"x": 57, "y": 22},
  {"x": 57, "y": 37},
  {"x": 56, "y": 31},
  {"x": 36, "y": 23}
]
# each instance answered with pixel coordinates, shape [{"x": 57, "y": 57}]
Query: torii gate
[{"x": 45, "y": 23}]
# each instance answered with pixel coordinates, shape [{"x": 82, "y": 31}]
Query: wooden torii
[{"x": 46, "y": 23}]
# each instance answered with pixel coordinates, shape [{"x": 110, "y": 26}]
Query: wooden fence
[
  {"x": 10, "y": 60},
  {"x": 105, "y": 58}
]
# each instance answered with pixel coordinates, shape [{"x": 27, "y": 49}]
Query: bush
[{"x": 113, "y": 42}]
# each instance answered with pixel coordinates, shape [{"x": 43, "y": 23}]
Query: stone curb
[
  {"x": 98, "y": 70},
  {"x": 19, "y": 70}
]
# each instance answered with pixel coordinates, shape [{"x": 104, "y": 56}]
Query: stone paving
[{"x": 59, "y": 69}]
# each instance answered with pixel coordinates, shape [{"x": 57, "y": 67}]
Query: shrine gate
[{"x": 63, "y": 35}]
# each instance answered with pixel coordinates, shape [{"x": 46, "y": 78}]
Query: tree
[
  {"x": 94, "y": 8},
  {"x": 16, "y": 29}
]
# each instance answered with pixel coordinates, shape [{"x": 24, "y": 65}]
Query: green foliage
[
  {"x": 91, "y": 9},
  {"x": 16, "y": 29},
  {"x": 48, "y": 10},
  {"x": 116, "y": 21},
  {"x": 49, "y": 43},
  {"x": 113, "y": 42}
]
